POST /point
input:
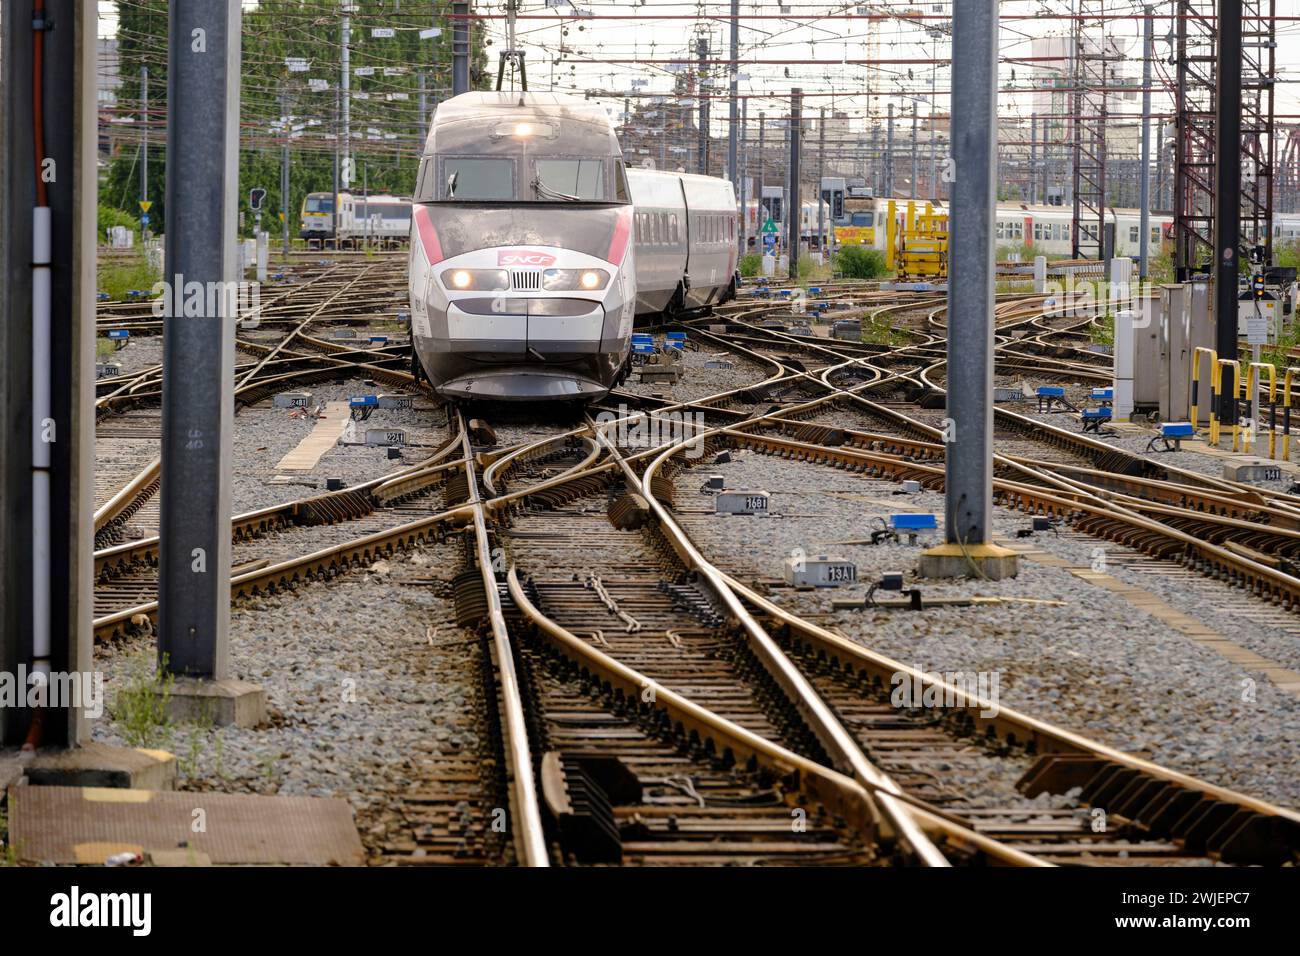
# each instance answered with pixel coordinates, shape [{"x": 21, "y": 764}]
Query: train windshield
[
  {"x": 320, "y": 204},
  {"x": 862, "y": 218},
  {"x": 576, "y": 180},
  {"x": 469, "y": 179}
]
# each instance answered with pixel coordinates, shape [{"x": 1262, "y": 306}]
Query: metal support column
[
  {"x": 1227, "y": 193},
  {"x": 913, "y": 192},
  {"x": 968, "y": 429},
  {"x": 48, "y": 189},
  {"x": 199, "y": 351},
  {"x": 460, "y": 47},
  {"x": 285, "y": 204},
  {"x": 792, "y": 205},
  {"x": 1144, "y": 173},
  {"x": 345, "y": 82},
  {"x": 744, "y": 168},
  {"x": 821, "y": 183},
  {"x": 1033, "y": 159},
  {"x": 733, "y": 169},
  {"x": 889, "y": 155},
  {"x": 144, "y": 148},
  {"x": 702, "y": 154}
]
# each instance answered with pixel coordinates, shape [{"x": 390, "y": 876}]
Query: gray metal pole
[
  {"x": 762, "y": 172},
  {"x": 1227, "y": 193},
  {"x": 460, "y": 47},
  {"x": 349, "y": 176},
  {"x": 913, "y": 191},
  {"x": 199, "y": 351},
  {"x": 793, "y": 210},
  {"x": 144, "y": 142},
  {"x": 733, "y": 170},
  {"x": 424, "y": 119},
  {"x": 1144, "y": 174},
  {"x": 934, "y": 156},
  {"x": 334, "y": 216},
  {"x": 969, "y": 451},
  {"x": 889, "y": 155},
  {"x": 1033, "y": 159},
  {"x": 703, "y": 145},
  {"x": 821, "y": 182},
  {"x": 284, "y": 173},
  {"x": 744, "y": 168}
]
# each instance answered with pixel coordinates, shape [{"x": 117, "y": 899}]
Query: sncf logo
[{"x": 519, "y": 257}]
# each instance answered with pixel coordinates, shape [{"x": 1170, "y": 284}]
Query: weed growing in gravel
[
  {"x": 268, "y": 764},
  {"x": 219, "y": 746},
  {"x": 189, "y": 764},
  {"x": 1102, "y": 330},
  {"x": 141, "y": 707},
  {"x": 8, "y": 852}
]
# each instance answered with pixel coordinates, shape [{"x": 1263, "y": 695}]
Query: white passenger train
[
  {"x": 686, "y": 247},
  {"x": 526, "y": 248}
]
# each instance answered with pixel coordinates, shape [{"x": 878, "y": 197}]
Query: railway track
[{"x": 652, "y": 710}]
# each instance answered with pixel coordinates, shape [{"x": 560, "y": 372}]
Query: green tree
[{"x": 388, "y": 128}]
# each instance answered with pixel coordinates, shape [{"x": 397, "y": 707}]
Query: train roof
[{"x": 480, "y": 104}]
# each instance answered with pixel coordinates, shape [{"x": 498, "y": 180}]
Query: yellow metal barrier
[
  {"x": 1286, "y": 411},
  {"x": 923, "y": 245},
  {"x": 1231, "y": 406},
  {"x": 1252, "y": 398},
  {"x": 1214, "y": 390}
]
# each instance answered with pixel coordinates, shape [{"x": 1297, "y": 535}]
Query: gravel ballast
[{"x": 1094, "y": 664}]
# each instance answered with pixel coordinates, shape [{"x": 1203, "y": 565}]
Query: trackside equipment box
[
  {"x": 820, "y": 572},
  {"x": 742, "y": 503}
]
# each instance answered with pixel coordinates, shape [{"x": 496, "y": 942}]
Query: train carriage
[{"x": 684, "y": 227}]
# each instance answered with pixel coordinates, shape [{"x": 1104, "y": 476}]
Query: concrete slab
[
  {"x": 324, "y": 436},
  {"x": 988, "y": 561},
  {"x": 101, "y": 765},
  {"x": 224, "y": 703},
  {"x": 86, "y": 825}
]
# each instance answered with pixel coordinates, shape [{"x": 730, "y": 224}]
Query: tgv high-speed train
[
  {"x": 522, "y": 274},
  {"x": 526, "y": 248}
]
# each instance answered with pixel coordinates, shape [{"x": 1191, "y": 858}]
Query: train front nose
[{"x": 527, "y": 320}]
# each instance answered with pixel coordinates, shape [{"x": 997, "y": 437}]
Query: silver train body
[
  {"x": 686, "y": 245},
  {"x": 524, "y": 267}
]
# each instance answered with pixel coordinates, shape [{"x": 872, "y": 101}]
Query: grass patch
[
  {"x": 860, "y": 262},
  {"x": 750, "y": 265},
  {"x": 117, "y": 276},
  {"x": 1102, "y": 330},
  {"x": 104, "y": 348},
  {"x": 140, "y": 710}
]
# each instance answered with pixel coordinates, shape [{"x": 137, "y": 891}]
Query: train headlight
[
  {"x": 570, "y": 280},
  {"x": 480, "y": 279}
]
